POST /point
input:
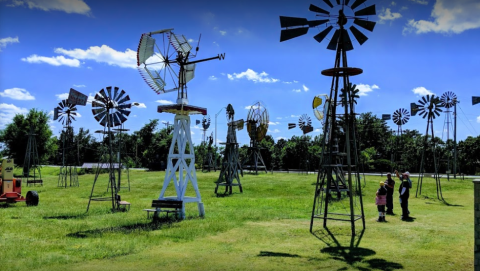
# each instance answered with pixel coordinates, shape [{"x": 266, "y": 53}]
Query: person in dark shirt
[
  {"x": 390, "y": 186},
  {"x": 404, "y": 191}
]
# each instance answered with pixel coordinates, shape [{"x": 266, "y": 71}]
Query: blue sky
[{"x": 418, "y": 47}]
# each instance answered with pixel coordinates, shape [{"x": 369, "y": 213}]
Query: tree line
[{"x": 380, "y": 148}]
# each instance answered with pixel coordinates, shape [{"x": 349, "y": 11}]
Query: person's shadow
[{"x": 351, "y": 253}]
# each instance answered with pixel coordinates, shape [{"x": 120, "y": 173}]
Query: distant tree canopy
[
  {"x": 379, "y": 148},
  {"x": 15, "y": 136}
]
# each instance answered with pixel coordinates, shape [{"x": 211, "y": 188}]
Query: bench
[
  {"x": 161, "y": 204},
  {"x": 122, "y": 205}
]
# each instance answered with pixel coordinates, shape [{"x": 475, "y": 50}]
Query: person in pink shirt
[{"x": 381, "y": 201}]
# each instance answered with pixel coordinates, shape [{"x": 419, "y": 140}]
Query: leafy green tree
[{"x": 15, "y": 136}]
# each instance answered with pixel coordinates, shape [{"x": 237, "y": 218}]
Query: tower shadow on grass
[{"x": 342, "y": 246}]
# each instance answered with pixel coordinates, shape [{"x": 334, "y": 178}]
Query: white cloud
[
  {"x": 5, "y": 41},
  {"x": 279, "y": 118},
  {"x": 421, "y": 2},
  {"x": 449, "y": 17},
  {"x": 79, "y": 86},
  {"x": 103, "y": 54},
  {"x": 251, "y": 75},
  {"x": 212, "y": 77},
  {"x": 280, "y": 137},
  {"x": 141, "y": 105},
  {"x": 54, "y": 60},
  {"x": 164, "y": 102},
  {"x": 223, "y": 33},
  {"x": 68, "y": 6},
  {"x": 62, "y": 96},
  {"x": 297, "y": 90},
  {"x": 8, "y": 111},
  {"x": 388, "y": 15},
  {"x": 478, "y": 119},
  {"x": 273, "y": 123},
  {"x": 422, "y": 91},
  {"x": 17, "y": 94},
  {"x": 274, "y": 131},
  {"x": 364, "y": 89},
  {"x": 192, "y": 132},
  {"x": 305, "y": 88},
  {"x": 393, "y": 3},
  {"x": 293, "y": 116},
  {"x": 90, "y": 98}
]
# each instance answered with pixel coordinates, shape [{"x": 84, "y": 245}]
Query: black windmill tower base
[
  {"x": 208, "y": 161},
  {"x": 349, "y": 206},
  {"x": 31, "y": 161}
]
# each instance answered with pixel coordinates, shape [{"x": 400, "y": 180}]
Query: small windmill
[
  {"x": 167, "y": 65},
  {"x": 205, "y": 125},
  {"x": 110, "y": 108},
  {"x": 31, "y": 160},
  {"x": 231, "y": 164},
  {"x": 449, "y": 101},
  {"x": 341, "y": 43},
  {"x": 257, "y": 127},
  {"x": 208, "y": 159},
  {"x": 66, "y": 112},
  {"x": 305, "y": 124},
  {"x": 429, "y": 107},
  {"x": 400, "y": 118}
]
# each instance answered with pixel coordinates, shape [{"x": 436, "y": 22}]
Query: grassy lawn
[{"x": 265, "y": 228}]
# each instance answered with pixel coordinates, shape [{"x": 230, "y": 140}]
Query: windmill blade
[
  {"x": 475, "y": 100},
  {"x": 332, "y": 45},
  {"x": 347, "y": 43},
  {"x": 145, "y": 48},
  {"x": 122, "y": 118},
  {"x": 291, "y": 126},
  {"x": 73, "y": 113},
  {"x": 366, "y": 11},
  {"x": 120, "y": 95},
  {"x": 115, "y": 93},
  {"x": 361, "y": 38},
  {"x": 365, "y": 24},
  {"x": 328, "y": 3},
  {"x": 317, "y": 22},
  {"x": 292, "y": 21},
  {"x": 109, "y": 91},
  {"x": 100, "y": 117},
  {"x": 116, "y": 119},
  {"x": 320, "y": 36},
  {"x": 123, "y": 106},
  {"x": 386, "y": 117},
  {"x": 413, "y": 109},
  {"x": 126, "y": 98},
  {"x": 74, "y": 108},
  {"x": 346, "y": 2},
  {"x": 102, "y": 95},
  {"x": 357, "y": 3},
  {"x": 180, "y": 43},
  {"x": 292, "y": 33},
  {"x": 320, "y": 10},
  {"x": 424, "y": 100},
  {"x": 124, "y": 112},
  {"x": 98, "y": 111},
  {"x": 98, "y": 104}
]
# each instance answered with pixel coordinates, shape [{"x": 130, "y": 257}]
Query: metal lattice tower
[
  {"x": 400, "y": 118},
  {"x": 429, "y": 107},
  {"x": 449, "y": 101},
  {"x": 208, "y": 161},
  {"x": 31, "y": 160},
  {"x": 229, "y": 176},
  {"x": 65, "y": 112},
  {"x": 257, "y": 127},
  {"x": 349, "y": 205}
]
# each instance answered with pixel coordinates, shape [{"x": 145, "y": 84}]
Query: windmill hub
[{"x": 342, "y": 19}]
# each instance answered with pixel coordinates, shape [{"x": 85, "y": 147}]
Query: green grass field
[{"x": 264, "y": 228}]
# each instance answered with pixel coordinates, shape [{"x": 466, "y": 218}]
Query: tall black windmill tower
[
  {"x": 342, "y": 18},
  {"x": 449, "y": 101},
  {"x": 229, "y": 176},
  {"x": 400, "y": 118},
  {"x": 110, "y": 108},
  {"x": 31, "y": 161},
  {"x": 429, "y": 107},
  {"x": 66, "y": 112}
]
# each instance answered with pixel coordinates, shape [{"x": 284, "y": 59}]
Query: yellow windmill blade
[{"x": 319, "y": 100}]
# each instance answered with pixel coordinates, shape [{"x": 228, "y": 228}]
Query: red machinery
[{"x": 11, "y": 188}]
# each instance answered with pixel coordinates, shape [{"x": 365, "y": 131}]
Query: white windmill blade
[
  {"x": 180, "y": 43},
  {"x": 145, "y": 49},
  {"x": 189, "y": 73}
]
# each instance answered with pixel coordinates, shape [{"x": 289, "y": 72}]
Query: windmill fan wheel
[
  {"x": 429, "y": 106},
  {"x": 320, "y": 100},
  {"x": 304, "y": 121},
  {"x": 401, "y": 116},
  {"x": 111, "y": 109},
  {"x": 66, "y": 112},
  {"x": 257, "y": 121},
  {"x": 206, "y": 122},
  {"x": 448, "y": 99}
]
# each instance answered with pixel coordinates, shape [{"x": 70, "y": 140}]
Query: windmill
[
  {"x": 429, "y": 107},
  {"x": 166, "y": 65},
  {"x": 449, "y": 101},
  {"x": 208, "y": 159},
  {"x": 65, "y": 113},
  {"x": 205, "y": 125},
  {"x": 110, "y": 108},
  {"x": 231, "y": 163},
  {"x": 340, "y": 42},
  {"x": 31, "y": 160},
  {"x": 400, "y": 118},
  {"x": 305, "y": 124},
  {"x": 257, "y": 127},
  {"x": 118, "y": 142}
]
